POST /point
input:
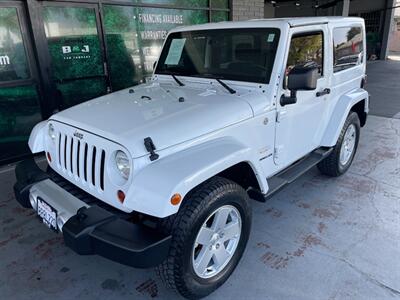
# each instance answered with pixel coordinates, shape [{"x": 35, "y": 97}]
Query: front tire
[
  {"x": 209, "y": 235},
  {"x": 341, "y": 158}
]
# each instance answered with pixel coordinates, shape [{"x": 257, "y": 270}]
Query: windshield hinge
[
  {"x": 278, "y": 152},
  {"x": 280, "y": 115}
]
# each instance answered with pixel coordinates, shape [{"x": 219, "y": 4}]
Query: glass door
[
  {"x": 19, "y": 97},
  {"x": 74, "y": 40}
]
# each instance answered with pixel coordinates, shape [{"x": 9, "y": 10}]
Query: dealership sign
[
  {"x": 4, "y": 60},
  {"x": 75, "y": 52}
]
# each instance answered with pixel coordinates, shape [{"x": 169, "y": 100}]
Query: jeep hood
[{"x": 167, "y": 113}]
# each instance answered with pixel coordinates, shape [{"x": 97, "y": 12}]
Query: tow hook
[{"x": 80, "y": 214}]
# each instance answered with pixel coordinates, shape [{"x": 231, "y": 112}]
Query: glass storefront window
[
  {"x": 154, "y": 24},
  {"x": 13, "y": 61},
  {"x": 135, "y": 36},
  {"x": 219, "y": 16},
  {"x": 76, "y": 53},
  {"x": 73, "y": 42},
  {"x": 178, "y": 3},
  {"x": 219, "y": 3},
  {"x": 77, "y": 91},
  {"x": 122, "y": 38},
  {"x": 19, "y": 112},
  {"x": 19, "y": 104}
]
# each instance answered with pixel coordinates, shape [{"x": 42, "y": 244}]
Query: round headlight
[
  {"x": 123, "y": 164},
  {"x": 52, "y": 132}
]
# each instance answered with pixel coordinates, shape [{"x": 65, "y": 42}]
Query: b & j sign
[
  {"x": 76, "y": 52},
  {"x": 76, "y": 56}
]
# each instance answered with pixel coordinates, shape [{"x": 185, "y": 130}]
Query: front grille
[{"x": 81, "y": 160}]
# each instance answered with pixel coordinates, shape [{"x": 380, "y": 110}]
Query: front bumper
[{"x": 91, "y": 229}]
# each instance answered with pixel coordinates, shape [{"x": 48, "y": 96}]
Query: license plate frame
[{"x": 47, "y": 214}]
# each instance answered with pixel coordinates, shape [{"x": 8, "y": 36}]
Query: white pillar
[
  {"x": 346, "y": 7},
  {"x": 389, "y": 16},
  {"x": 342, "y": 8}
]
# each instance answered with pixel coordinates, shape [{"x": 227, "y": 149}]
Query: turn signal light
[
  {"x": 121, "y": 196},
  {"x": 176, "y": 199},
  {"x": 48, "y": 156}
]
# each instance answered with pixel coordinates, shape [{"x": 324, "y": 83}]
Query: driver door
[{"x": 300, "y": 126}]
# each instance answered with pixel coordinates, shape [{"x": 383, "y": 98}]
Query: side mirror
[
  {"x": 303, "y": 78},
  {"x": 300, "y": 78}
]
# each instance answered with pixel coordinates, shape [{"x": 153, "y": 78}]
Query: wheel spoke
[
  {"x": 231, "y": 230},
  {"x": 348, "y": 145},
  {"x": 203, "y": 260},
  {"x": 342, "y": 154},
  {"x": 352, "y": 143},
  {"x": 221, "y": 255},
  {"x": 216, "y": 243},
  {"x": 220, "y": 218},
  {"x": 205, "y": 235}
]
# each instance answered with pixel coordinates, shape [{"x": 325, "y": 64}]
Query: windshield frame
[{"x": 160, "y": 70}]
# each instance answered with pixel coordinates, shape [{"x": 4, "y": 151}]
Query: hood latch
[{"x": 148, "y": 143}]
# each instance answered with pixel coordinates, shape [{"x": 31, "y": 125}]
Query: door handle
[{"x": 323, "y": 92}]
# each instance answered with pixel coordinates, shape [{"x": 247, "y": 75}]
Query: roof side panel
[{"x": 276, "y": 22}]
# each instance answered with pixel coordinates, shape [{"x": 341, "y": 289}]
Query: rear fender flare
[{"x": 340, "y": 113}]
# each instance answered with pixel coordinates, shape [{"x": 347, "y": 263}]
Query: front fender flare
[
  {"x": 153, "y": 186},
  {"x": 36, "y": 139},
  {"x": 340, "y": 113}
]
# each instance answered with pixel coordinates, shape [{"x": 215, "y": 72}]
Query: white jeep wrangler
[{"x": 162, "y": 174}]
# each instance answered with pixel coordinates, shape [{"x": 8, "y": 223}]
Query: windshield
[{"x": 244, "y": 54}]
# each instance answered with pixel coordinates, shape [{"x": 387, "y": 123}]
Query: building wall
[
  {"x": 269, "y": 11},
  {"x": 397, "y": 10},
  {"x": 377, "y": 18},
  {"x": 361, "y": 6},
  {"x": 247, "y": 9},
  {"x": 290, "y": 10},
  {"x": 394, "y": 40}
]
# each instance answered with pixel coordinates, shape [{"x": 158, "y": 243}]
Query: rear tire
[
  {"x": 341, "y": 158},
  {"x": 199, "y": 235}
]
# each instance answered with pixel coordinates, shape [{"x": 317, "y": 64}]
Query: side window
[
  {"x": 347, "y": 48},
  {"x": 306, "y": 49}
]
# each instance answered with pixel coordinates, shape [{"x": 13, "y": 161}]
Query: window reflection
[
  {"x": 306, "y": 49},
  {"x": 63, "y": 22},
  {"x": 19, "y": 112},
  {"x": 232, "y": 54},
  {"x": 348, "y": 47},
  {"x": 76, "y": 53},
  {"x": 135, "y": 36},
  {"x": 13, "y": 61}
]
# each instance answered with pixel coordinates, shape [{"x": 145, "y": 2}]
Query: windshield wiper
[
  {"x": 227, "y": 87},
  {"x": 208, "y": 75},
  {"x": 177, "y": 80}
]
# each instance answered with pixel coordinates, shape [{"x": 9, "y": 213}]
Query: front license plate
[{"x": 48, "y": 214}]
